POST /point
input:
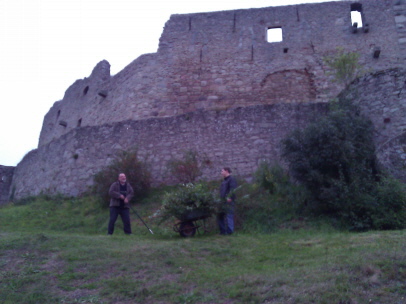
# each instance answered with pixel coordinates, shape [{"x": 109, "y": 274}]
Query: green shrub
[
  {"x": 345, "y": 66},
  {"x": 190, "y": 198},
  {"x": 136, "y": 171},
  {"x": 187, "y": 169},
  {"x": 272, "y": 178},
  {"x": 390, "y": 212},
  {"x": 334, "y": 158}
]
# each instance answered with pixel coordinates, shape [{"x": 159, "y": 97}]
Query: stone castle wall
[
  {"x": 382, "y": 97},
  {"x": 218, "y": 87},
  {"x": 238, "y": 137},
  {"x": 221, "y": 60}
]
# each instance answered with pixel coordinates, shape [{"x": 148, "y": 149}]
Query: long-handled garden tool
[{"x": 141, "y": 219}]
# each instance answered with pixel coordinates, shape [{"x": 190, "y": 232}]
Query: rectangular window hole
[
  {"x": 285, "y": 50},
  {"x": 356, "y": 19},
  {"x": 274, "y": 34},
  {"x": 356, "y": 15}
]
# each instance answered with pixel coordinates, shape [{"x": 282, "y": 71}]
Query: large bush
[
  {"x": 334, "y": 158},
  {"x": 136, "y": 171}
]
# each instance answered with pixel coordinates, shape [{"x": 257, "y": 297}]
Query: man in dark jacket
[
  {"x": 225, "y": 219},
  {"x": 121, "y": 193}
]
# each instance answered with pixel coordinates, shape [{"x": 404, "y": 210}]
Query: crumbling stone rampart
[
  {"x": 217, "y": 86},
  {"x": 222, "y": 60},
  {"x": 240, "y": 137},
  {"x": 382, "y": 97}
]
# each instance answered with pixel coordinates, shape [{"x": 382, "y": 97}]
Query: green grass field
[{"x": 57, "y": 251}]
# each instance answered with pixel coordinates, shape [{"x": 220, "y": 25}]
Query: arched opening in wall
[
  {"x": 79, "y": 122},
  {"x": 356, "y": 15},
  {"x": 274, "y": 34},
  {"x": 85, "y": 90}
]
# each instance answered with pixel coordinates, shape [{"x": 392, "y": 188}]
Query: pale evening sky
[{"x": 45, "y": 45}]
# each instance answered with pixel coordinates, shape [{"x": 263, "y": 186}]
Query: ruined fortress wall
[
  {"x": 221, "y": 60},
  {"x": 216, "y": 86},
  {"x": 382, "y": 98},
  {"x": 238, "y": 138}
]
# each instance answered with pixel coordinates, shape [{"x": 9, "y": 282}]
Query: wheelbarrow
[{"x": 190, "y": 222}]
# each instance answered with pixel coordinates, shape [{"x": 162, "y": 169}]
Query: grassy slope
[{"x": 56, "y": 251}]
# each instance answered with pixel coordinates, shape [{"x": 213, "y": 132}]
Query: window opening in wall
[
  {"x": 85, "y": 90},
  {"x": 59, "y": 113},
  {"x": 274, "y": 34},
  {"x": 79, "y": 122},
  {"x": 356, "y": 14}
]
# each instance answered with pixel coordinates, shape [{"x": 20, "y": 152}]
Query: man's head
[
  {"x": 225, "y": 171},
  {"x": 122, "y": 178}
]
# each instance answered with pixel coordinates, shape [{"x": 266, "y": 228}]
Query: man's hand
[{"x": 126, "y": 201}]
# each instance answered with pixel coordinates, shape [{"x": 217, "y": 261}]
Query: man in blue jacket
[
  {"x": 121, "y": 193},
  {"x": 225, "y": 219}
]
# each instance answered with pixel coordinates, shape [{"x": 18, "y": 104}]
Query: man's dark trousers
[{"x": 125, "y": 217}]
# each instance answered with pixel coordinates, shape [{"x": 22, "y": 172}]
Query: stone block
[{"x": 400, "y": 19}]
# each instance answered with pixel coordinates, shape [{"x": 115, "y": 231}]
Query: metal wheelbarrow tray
[{"x": 191, "y": 221}]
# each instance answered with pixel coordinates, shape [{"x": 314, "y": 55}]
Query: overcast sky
[{"x": 45, "y": 45}]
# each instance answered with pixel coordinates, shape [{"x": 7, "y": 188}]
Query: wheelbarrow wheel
[{"x": 187, "y": 229}]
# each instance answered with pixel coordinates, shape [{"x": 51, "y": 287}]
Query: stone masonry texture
[
  {"x": 217, "y": 86},
  {"x": 241, "y": 137},
  {"x": 222, "y": 60},
  {"x": 6, "y": 176}
]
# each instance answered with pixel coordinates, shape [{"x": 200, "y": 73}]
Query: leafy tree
[{"x": 334, "y": 158}]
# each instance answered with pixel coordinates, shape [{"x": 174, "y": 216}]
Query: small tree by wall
[
  {"x": 188, "y": 168},
  {"x": 136, "y": 171},
  {"x": 345, "y": 66}
]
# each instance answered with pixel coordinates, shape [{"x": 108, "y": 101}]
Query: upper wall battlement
[
  {"x": 306, "y": 28},
  {"x": 222, "y": 60}
]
